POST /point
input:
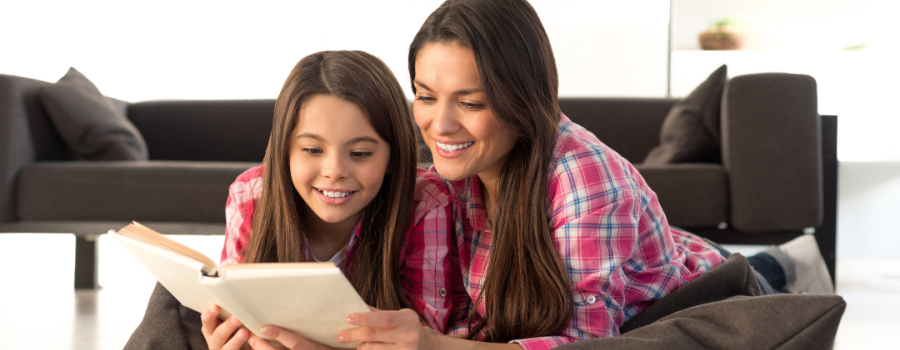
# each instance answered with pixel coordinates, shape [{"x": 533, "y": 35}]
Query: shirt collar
[{"x": 474, "y": 204}]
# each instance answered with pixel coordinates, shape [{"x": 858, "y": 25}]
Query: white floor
[{"x": 38, "y": 308}]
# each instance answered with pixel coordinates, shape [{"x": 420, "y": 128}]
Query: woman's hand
[
  {"x": 218, "y": 334},
  {"x": 287, "y": 338},
  {"x": 389, "y": 330}
]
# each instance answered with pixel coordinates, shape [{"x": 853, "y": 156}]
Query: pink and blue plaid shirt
[
  {"x": 607, "y": 226},
  {"x": 425, "y": 258}
]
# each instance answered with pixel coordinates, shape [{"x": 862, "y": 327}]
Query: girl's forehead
[{"x": 333, "y": 119}]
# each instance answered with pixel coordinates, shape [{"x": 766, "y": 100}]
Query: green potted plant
[{"x": 727, "y": 34}]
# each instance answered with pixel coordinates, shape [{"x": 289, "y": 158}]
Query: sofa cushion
[
  {"x": 782, "y": 321},
  {"x": 124, "y": 191},
  {"x": 690, "y": 132},
  {"x": 90, "y": 124},
  {"x": 692, "y": 195}
]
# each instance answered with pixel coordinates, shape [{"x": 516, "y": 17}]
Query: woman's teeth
[
  {"x": 451, "y": 148},
  {"x": 333, "y": 194}
]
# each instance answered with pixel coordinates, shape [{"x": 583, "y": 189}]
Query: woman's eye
[
  {"x": 360, "y": 155},
  {"x": 313, "y": 151},
  {"x": 425, "y": 99},
  {"x": 472, "y": 106}
]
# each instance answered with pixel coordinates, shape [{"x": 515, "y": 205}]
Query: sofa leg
[{"x": 86, "y": 262}]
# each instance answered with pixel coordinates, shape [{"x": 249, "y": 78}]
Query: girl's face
[
  {"x": 452, "y": 111},
  {"x": 337, "y": 160}
]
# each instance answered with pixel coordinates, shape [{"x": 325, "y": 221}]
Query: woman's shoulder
[
  {"x": 581, "y": 158},
  {"x": 432, "y": 191}
]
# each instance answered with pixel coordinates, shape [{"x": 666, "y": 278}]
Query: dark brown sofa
[{"x": 778, "y": 176}]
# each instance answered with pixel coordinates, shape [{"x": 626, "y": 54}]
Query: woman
[{"x": 558, "y": 237}]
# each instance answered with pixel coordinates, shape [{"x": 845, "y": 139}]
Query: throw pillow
[
  {"x": 690, "y": 132},
  {"x": 88, "y": 122}
]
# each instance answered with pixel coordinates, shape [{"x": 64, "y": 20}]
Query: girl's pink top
[{"x": 425, "y": 258}]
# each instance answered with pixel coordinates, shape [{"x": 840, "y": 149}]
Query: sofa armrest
[
  {"x": 771, "y": 149},
  {"x": 26, "y": 135}
]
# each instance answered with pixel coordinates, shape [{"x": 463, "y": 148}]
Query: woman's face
[
  {"x": 452, "y": 111},
  {"x": 337, "y": 160}
]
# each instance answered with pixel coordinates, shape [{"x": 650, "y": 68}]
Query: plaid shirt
[
  {"x": 607, "y": 226},
  {"x": 425, "y": 258}
]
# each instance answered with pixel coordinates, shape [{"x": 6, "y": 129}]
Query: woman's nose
[{"x": 446, "y": 120}]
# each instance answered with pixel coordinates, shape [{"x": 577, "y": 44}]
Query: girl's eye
[
  {"x": 360, "y": 155},
  {"x": 425, "y": 99},
  {"x": 472, "y": 106},
  {"x": 313, "y": 151}
]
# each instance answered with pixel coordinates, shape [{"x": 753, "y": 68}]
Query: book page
[
  {"x": 182, "y": 276},
  {"x": 311, "y": 299},
  {"x": 147, "y": 235},
  {"x": 312, "y": 302}
]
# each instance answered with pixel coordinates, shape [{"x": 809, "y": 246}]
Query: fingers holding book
[
  {"x": 288, "y": 339},
  {"x": 393, "y": 329},
  {"x": 224, "y": 335}
]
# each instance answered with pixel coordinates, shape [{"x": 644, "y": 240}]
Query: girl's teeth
[{"x": 334, "y": 194}]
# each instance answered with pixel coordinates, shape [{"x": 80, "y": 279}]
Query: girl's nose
[{"x": 334, "y": 168}]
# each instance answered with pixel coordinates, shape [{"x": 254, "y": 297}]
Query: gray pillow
[
  {"x": 90, "y": 124},
  {"x": 690, "y": 132},
  {"x": 781, "y": 321}
]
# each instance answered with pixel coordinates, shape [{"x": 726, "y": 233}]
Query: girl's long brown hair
[
  {"x": 526, "y": 288},
  {"x": 279, "y": 223}
]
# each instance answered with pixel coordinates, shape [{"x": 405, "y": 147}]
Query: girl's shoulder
[{"x": 248, "y": 185}]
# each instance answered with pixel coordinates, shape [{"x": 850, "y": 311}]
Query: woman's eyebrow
[{"x": 457, "y": 93}]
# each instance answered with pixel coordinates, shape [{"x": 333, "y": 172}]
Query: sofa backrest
[
  {"x": 205, "y": 130},
  {"x": 630, "y": 126}
]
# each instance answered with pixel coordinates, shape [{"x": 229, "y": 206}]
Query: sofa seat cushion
[
  {"x": 692, "y": 195},
  {"x": 142, "y": 191}
]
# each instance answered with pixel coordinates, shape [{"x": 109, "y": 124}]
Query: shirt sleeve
[
  {"x": 239, "y": 210},
  {"x": 427, "y": 265},
  {"x": 595, "y": 223}
]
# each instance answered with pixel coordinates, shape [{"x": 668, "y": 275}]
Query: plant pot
[{"x": 722, "y": 41}]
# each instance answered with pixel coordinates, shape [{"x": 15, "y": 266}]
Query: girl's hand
[
  {"x": 389, "y": 329},
  {"x": 287, "y": 338},
  {"x": 218, "y": 334}
]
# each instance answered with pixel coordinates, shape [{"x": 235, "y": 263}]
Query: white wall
[{"x": 234, "y": 49}]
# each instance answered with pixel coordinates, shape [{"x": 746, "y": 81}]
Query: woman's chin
[{"x": 449, "y": 172}]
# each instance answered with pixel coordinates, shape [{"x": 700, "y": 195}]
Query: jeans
[{"x": 774, "y": 270}]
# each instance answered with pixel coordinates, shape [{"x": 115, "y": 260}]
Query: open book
[{"x": 310, "y": 299}]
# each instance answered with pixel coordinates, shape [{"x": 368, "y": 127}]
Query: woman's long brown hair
[
  {"x": 526, "y": 288},
  {"x": 279, "y": 223}
]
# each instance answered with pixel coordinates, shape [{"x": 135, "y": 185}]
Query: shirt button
[
  {"x": 443, "y": 292},
  {"x": 591, "y": 299}
]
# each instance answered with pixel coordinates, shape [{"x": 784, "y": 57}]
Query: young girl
[{"x": 339, "y": 183}]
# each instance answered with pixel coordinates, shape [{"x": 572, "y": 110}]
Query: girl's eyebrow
[
  {"x": 348, "y": 143},
  {"x": 360, "y": 139}
]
